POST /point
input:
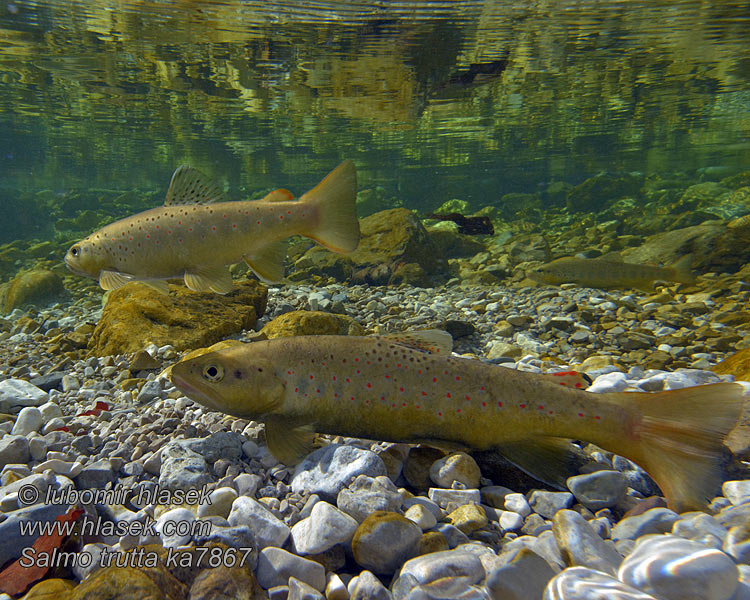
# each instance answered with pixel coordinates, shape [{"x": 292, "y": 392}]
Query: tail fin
[
  {"x": 678, "y": 439},
  {"x": 335, "y": 197},
  {"x": 682, "y": 272}
]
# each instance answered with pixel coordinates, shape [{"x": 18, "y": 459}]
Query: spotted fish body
[
  {"x": 189, "y": 239},
  {"x": 392, "y": 389}
]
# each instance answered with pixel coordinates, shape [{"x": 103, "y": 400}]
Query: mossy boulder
[
  {"x": 38, "y": 286},
  {"x": 51, "y": 589},
  {"x": 598, "y": 192},
  {"x": 310, "y": 322},
  {"x": 129, "y": 582},
  {"x": 136, "y": 315}
]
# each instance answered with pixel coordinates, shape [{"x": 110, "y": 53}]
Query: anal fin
[
  {"x": 268, "y": 262},
  {"x": 287, "y": 443},
  {"x": 548, "y": 459},
  {"x": 217, "y": 279}
]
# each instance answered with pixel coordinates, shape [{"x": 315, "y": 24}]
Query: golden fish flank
[
  {"x": 195, "y": 237},
  {"x": 409, "y": 388},
  {"x": 599, "y": 273}
]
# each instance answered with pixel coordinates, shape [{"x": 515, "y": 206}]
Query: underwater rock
[
  {"x": 598, "y": 192},
  {"x": 373, "y": 200},
  {"x": 701, "y": 195},
  {"x": 129, "y": 582},
  {"x": 31, "y": 287},
  {"x": 712, "y": 245},
  {"x": 59, "y": 589},
  {"x": 528, "y": 247},
  {"x": 136, "y": 315},
  {"x": 311, "y": 322},
  {"x": 736, "y": 181},
  {"x": 223, "y": 581},
  {"x": 450, "y": 244},
  {"x": 389, "y": 240},
  {"x": 519, "y": 205}
]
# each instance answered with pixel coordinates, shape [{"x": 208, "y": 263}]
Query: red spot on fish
[
  {"x": 214, "y": 228},
  {"x": 234, "y": 225},
  {"x": 468, "y": 397},
  {"x": 417, "y": 405},
  {"x": 225, "y": 216},
  {"x": 458, "y": 378},
  {"x": 523, "y": 406},
  {"x": 281, "y": 216},
  {"x": 440, "y": 414},
  {"x": 289, "y": 212},
  {"x": 258, "y": 222},
  {"x": 358, "y": 371},
  {"x": 550, "y": 412},
  {"x": 598, "y": 418},
  {"x": 482, "y": 388},
  {"x": 458, "y": 410},
  {"x": 398, "y": 365},
  {"x": 179, "y": 222},
  {"x": 387, "y": 376},
  {"x": 404, "y": 404},
  {"x": 288, "y": 372},
  {"x": 148, "y": 237},
  {"x": 434, "y": 380},
  {"x": 247, "y": 212},
  {"x": 419, "y": 371},
  {"x": 356, "y": 360},
  {"x": 424, "y": 393},
  {"x": 579, "y": 384},
  {"x": 334, "y": 378},
  {"x": 348, "y": 380},
  {"x": 448, "y": 395},
  {"x": 190, "y": 228},
  {"x": 401, "y": 389},
  {"x": 157, "y": 227},
  {"x": 484, "y": 404},
  {"x": 394, "y": 404},
  {"x": 500, "y": 404},
  {"x": 335, "y": 395},
  {"x": 296, "y": 389},
  {"x": 369, "y": 385},
  {"x": 318, "y": 390},
  {"x": 311, "y": 376}
]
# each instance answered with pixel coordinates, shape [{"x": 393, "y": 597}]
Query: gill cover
[{"x": 226, "y": 383}]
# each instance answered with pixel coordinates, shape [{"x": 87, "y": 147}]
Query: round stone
[
  {"x": 582, "y": 583},
  {"x": 468, "y": 518},
  {"x": 384, "y": 540},
  {"x": 29, "y": 420},
  {"x": 673, "y": 568},
  {"x": 323, "y": 529},
  {"x": 458, "y": 467},
  {"x": 600, "y": 489}
]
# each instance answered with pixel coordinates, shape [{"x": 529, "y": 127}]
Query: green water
[{"x": 432, "y": 100}]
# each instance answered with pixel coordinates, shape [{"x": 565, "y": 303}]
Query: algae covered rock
[
  {"x": 135, "y": 316},
  {"x": 51, "y": 589},
  {"x": 389, "y": 240},
  {"x": 311, "y": 322},
  {"x": 129, "y": 582},
  {"x": 37, "y": 286},
  {"x": 596, "y": 193}
]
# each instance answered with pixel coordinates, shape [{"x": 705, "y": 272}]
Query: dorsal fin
[
  {"x": 190, "y": 186},
  {"x": 435, "y": 341},
  {"x": 280, "y": 195}
]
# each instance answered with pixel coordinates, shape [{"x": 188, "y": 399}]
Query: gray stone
[
  {"x": 600, "y": 489},
  {"x": 96, "y": 475},
  {"x": 182, "y": 468},
  {"x": 453, "y": 535},
  {"x": 384, "y": 540},
  {"x": 276, "y": 566},
  {"x": 170, "y": 525},
  {"x": 329, "y": 470},
  {"x": 736, "y": 491},
  {"x": 544, "y": 545},
  {"x": 546, "y": 503},
  {"x": 323, "y": 529},
  {"x": 656, "y": 520},
  {"x": 239, "y": 536},
  {"x": 455, "y": 588},
  {"x": 150, "y": 391},
  {"x": 14, "y": 449},
  {"x": 672, "y": 568},
  {"x": 733, "y": 515},
  {"x": 426, "y": 503},
  {"x": 12, "y": 542},
  {"x": 29, "y": 420},
  {"x": 582, "y": 583},
  {"x": 368, "y": 587},
  {"x": 437, "y": 565},
  {"x": 697, "y": 525},
  {"x": 524, "y": 577},
  {"x": 457, "y": 467},
  {"x": 222, "y": 444},
  {"x": 366, "y": 494},
  {"x": 299, "y": 590},
  {"x": 581, "y": 546},
  {"x": 268, "y": 530},
  {"x": 737, "y": 543},
  {"x": 443, "y": 497},
  {"x": 18, "y": 392},
  {"x": 220, "y": 503}
]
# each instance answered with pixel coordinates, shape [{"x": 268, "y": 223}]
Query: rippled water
[{"x": 433, "y": 100}]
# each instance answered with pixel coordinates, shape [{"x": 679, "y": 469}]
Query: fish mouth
[{"x": 192, "y": 392}]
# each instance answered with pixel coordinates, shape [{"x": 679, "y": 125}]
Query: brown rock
[
  {"x": 51, "y": 589},
  {"x": 417, "y": 466},
  {"x": 136, "y": 315},
  {"x": 115, "y": 582},
  {"x": 38, "y": 286},
  {"x": 143, "y": 361},
  {"x": 310, "y": 322},
  {"x": 224, "y": 583}
]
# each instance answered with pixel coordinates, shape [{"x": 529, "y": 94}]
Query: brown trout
[
  {"x": 409, "y": 388},
  {"x": 194, "y": 237},
  {"x": 602, "y": 273}
]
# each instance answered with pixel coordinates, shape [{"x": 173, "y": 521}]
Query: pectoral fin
[
  {"x": 551, "y": 460},
  {"x": 217, "y": 279},
  {"x": 268, "y": 262},
  {"x": 287, "y": 443},
  {"x": 111, "y": 280}
]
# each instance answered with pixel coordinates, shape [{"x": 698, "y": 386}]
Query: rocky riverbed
[{"x": 363, "y": 519}]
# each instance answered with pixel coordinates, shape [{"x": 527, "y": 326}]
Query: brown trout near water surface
[
  {"x": 409, "y": 388},
  {"x": 193, "y": 237},
  {"x": 602, "y": 273}
]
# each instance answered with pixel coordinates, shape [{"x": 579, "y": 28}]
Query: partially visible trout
[
  {"x": 192, "y": 237},
  {"x": 408, "y": 388},
  {"x": 602, "y": 273}
]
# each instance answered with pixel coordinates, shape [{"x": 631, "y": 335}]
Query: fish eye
[
  {"x": 75, "y": 250},
  {"x": 213, "y": 372}
]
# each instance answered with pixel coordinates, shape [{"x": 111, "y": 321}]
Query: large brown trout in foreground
[
  {"x": 193, "y": 237},
  {"x": 408, "y": 388}
]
